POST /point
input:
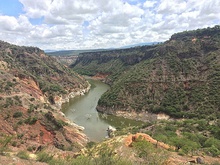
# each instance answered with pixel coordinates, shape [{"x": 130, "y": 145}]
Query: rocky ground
[{"x": 33, "y": 87}]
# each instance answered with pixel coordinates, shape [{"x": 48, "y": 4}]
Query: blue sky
[
  {"x": 11, "y": 7},
  {"x": 92, "y": 24}
]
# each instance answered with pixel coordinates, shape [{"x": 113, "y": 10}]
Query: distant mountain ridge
[
  {"x": 140, "y": 44},
  {"x": 71, "y": 52},
  {"x": 78, "y": 52}
]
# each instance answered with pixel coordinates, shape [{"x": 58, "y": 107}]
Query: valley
[{"x": 163, "y": 100}]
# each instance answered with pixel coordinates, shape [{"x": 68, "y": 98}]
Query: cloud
[
  {"x": 10, "y": 23},
  {"x": 81, "y": 24},
  {"x": 36, "y": 9},
  {"x": 149, "y": 4}
]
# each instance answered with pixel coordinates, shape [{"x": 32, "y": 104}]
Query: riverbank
[
  {"x": 142, "y": 116},
  {"x": 82, "y": 111},
  {"x": 59, "y": 100}
]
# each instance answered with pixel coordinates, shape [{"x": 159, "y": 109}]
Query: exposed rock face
[
  {"x": 132, "y": 138},
  {"x": 59, "y": 100},
  {"x": 66, "y": 60},
  {"x": 33, "y": 87}
]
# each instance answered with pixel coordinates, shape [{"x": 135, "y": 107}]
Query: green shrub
[
  {"x": 20, "y": 122},
  {"x": 31, "y": 120},
  {"x": 212, "y": 151},
  {"x": 4, "y": 141},
  {"x": 144, "y": 148},
  {"x": 31, "y": 108},
  {"x": 59, "y": 162},
  {"x": 23, "y": 155},
  {"x": 212, "y": 142},
  {"x": 9, "y": 102},
  {"x": 19, "y": 136},
  {"x": 31, "y": 148},
  {"x": 149, "y": 153},
  {"x": 44, "y": 157},
  {"x": 17, "y": 114}
]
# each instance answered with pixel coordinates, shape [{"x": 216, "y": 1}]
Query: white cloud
[
  {"x": 9, "y": 23},
  {"x": 172, "y": 6},
  {"x": 149, "y": 4},
  {"x": 79, "y": 24},
  {"x": 36, "y": 9}
]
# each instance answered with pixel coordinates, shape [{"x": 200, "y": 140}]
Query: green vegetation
[
  {"x": 31, "y": 108},
  {"x": 31, "y": 120},
  {"x": 97, "y": 155},
  {"x": 17, "y": 114},
  {"x": 44, "y": 157},
  {"x": 32, "y": 66},
  {"x": 4, "y": 142},
  {"x": 190, "y": 137},
  {"x": 150, "y": 153},
  {"x": 180, "y": 77},
  {"x": 30, "y": 81},
  {"x": 9, "y": 102},
  {"x": 23, "y": 155}
]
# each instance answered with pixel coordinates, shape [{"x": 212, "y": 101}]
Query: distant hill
[
  {"x": 67, "y": 57},
  {"x": 78, "y": 52},
  {"x": 140, "y": 44},
  {"x": 179, "y": 77},
  {"x": 71, "y": 52},
  {"x": 177, "y": 81}
]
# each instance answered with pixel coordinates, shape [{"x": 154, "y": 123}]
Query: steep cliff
[
  {"x": 179, "y": 77},
  {"x": 33, "y": 87}
]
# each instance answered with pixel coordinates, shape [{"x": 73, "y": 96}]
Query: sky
[{"x": 94, "y": 24}]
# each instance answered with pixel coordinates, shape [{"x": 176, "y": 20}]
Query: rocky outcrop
[
  {"x": 141, "y": 116},
  {"x": 59, "y": 100},
  {"x": 33, "y": 88},
  {"x": 141, "y": 136}
]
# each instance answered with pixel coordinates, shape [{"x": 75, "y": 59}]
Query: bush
[
  {"x": 31, "y": 148},
  {"x": 212, "y": 151},
  {"x": 149, "y": 153},
  {"x": 31, "y": 108},
  {"x": 31, "y": 120},
  {"x": 17, "y": 114},
  {"x": 212, "y": 142},
  {"x": 23, "y": 155},
  {"x": 4, "y": 141},
  {"x": 44, "y": 157},
  {"x": 9, "y": 102},
  {"x": 58, "y": 162}
]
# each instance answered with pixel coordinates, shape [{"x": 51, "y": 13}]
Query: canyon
[{"x": 173, "y": 87}]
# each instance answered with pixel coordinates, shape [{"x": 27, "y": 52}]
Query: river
[{"x": 82, "y": 111}]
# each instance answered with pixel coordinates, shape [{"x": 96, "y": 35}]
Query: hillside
[
  {"x": 177, "y": 80},
  {"x": 67, "y": 57},
  {"x": 179, "y": 77},
  {"x": 33, "y": 87}
]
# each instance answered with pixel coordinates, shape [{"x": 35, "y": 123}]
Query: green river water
[{"x": 82, "y": 111}]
